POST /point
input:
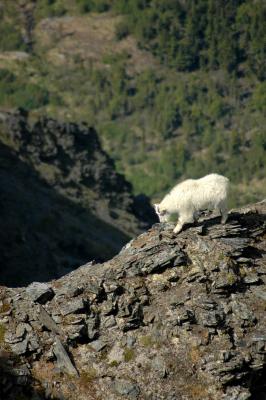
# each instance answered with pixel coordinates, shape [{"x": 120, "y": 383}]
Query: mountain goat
[{"x": 188, "y": 198}]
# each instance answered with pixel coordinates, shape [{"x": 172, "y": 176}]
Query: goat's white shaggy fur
[{"x": 193, "y": 195}]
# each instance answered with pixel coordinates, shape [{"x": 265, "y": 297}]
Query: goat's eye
[{"x": 163, "y": 212}]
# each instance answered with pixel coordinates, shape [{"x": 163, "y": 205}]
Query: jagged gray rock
[
  {"x": 126, "y": 388},
  {"x": 40, "y": 292},
  {"x": 62, "y": 359},
  {"x": 170, "y": 317}
]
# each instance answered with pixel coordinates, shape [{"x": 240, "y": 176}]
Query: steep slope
[
  {"x": 44, "y": 235},
  {"x": 170, "y": 317},
  {"x": 62, "y": 202}
]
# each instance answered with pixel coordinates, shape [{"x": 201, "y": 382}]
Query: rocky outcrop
[
  {"x": 62, "y": 202},
  {"x": 170, "y": 317},
  {"x": 70, "y": 159}
]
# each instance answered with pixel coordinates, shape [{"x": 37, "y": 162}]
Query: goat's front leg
[
  {"x": 178, "y": 227},
  {"x": 186, "y": 219}
]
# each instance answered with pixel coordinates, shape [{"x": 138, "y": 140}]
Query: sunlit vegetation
[{"x": 201, "y": 109}]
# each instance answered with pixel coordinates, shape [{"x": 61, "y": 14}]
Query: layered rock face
[
  {"x": 62, "y": 202},
  {"x": 170, "y": 317}
]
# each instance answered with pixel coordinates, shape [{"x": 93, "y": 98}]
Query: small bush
[
  {"x": 49, "y": 8},
  {"x": 121, "y": 30},
  {"x": 7, "y": 76},
  {"x": 86, "y": 6},
  {"x": 16, "y": 93},
  {"x": 10, "y": 37},
  {"x": 31, "y": 96}
]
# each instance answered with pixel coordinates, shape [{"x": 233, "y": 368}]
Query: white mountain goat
[{"x": 188, "y": 198}]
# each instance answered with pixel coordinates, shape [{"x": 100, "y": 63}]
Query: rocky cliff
[
  {"x": 62, "y": 202},
  {"x": 170, "y": 317}
]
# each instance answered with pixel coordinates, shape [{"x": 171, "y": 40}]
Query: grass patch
[
  {"x": 195, "y": 354},
  {"x": 5, "y": 307},
  {"x": 129, "y": 354},
  {"x": 86, "y": 377},
  {"x": 2, "y": 333},
  {"x": 196, "y": 391},
  {"x": 114, "y": 363},
  {"x": 146, "y": 341},
  {"x": 231, "y": 278}
]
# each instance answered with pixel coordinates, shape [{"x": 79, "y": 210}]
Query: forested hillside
[{"x": 176, "y": 89}]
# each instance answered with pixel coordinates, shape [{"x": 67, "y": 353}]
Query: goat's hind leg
[{"x": 223, "y": 211}]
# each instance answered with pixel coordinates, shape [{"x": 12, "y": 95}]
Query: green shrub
[
  {"x": 258, "y": 100},
  {"x": 10, "y": 37},
  {"x": 17, "y": 93},
  {"x": 121, "y": 30},
  {"x": 49, "y": 8},
  {"x": 30, "y": 96},
  {"x": 7, "y": 76},
  {"x": 93, "y": 5}
]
